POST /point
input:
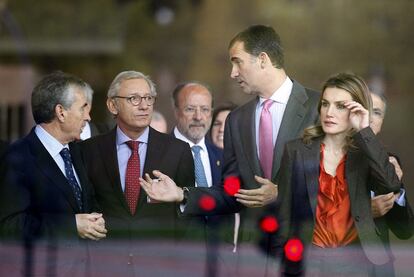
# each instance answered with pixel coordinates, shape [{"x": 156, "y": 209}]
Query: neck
[
  {"x": 272, "y": 82},
  {"x": 335, "y": 143},
  {"x": 133, "y": 134},
  {"x": 54, "y": 130}
]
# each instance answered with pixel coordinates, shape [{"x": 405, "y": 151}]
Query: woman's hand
[{"x": 358, "y": 116}]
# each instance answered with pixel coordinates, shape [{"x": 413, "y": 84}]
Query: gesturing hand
[
  {"x": 358, "y": 116},
  {"x": 162, "y": 189},
  {"x": 260, "y": 197}
]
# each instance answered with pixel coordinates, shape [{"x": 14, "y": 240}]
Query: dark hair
[
  {"x": 356, "y": 87},
  {"x": 226, "y": 106},
  {"x": 54, "y": 89},
  {"x": 260, "y": 38},
  {"x": 180, "y": 86}
]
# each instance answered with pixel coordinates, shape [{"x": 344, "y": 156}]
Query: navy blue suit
[{"x": 38, "y": 207}]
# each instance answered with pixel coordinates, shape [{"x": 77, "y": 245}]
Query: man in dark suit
[
  {"x": 391, "y": 211},
  {"x": 45, "y": 198},
  {"x": 193, "y": 105},
  {"x": 258, "y": 67},
  {"x": 138, "y": 227}
]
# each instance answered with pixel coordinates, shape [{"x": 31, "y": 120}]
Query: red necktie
[
  {"x": 132, "y": 185},
  {"x": 266, "y": 139}
]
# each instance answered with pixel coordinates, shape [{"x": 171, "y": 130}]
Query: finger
[
  {"x": 248, "y": 197},
  {"x": 261, "y": 180},
  {"x": 251, "y": 192},
  {"x": 248, "y": 203},
  {"x": 148, "y": 178}
]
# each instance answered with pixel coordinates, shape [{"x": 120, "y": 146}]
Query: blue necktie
[
  {"x": 70, "y": 175},
  {"x": 200, "y": 175}
]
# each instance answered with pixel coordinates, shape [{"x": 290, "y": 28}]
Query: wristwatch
[{"x": 185, "y": 195}]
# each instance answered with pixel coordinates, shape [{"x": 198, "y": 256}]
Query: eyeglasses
[
  {"x": 135, "y": 100},
  {"x": 192, "y": 110}
]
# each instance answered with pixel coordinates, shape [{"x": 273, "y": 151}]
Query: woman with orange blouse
[{"x": 324, "y": 188}]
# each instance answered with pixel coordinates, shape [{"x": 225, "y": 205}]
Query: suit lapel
[
  {"x": 351, "y": 172},
  {"x": 247, "y": 127},
  {"x": 291, "y": 123},
  {"x": 80, "y": 171},
  {"x": 311, "y": 160},
  {"x": 215, "y": 162},
  {"x": 107, "y": 148},
  {"x": 48, "y": 166}
]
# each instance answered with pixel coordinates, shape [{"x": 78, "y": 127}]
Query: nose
[
  {"x": 221, "y": 130},
  {"x": 87, "y": 116},
  {"x": 329, "y": 110},
  {"x": 234, "y": 72},
  {"x": 197, "y": 114}
]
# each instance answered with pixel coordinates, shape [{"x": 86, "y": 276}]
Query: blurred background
[{"x": 179, "y": 40}]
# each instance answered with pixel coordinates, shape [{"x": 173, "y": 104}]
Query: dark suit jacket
[
  {"x": 36, "y": 201},
  {"x": 241, "y": 156},
  {"x": 3, "y": 147},
  {"x": 165, "y": 153},
  {"x": 366, "y": 168}
]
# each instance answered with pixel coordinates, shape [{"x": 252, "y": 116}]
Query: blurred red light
[
  {"x": 294, "y": 250},
  {"x": 232, "y": 185},
  {"x": 269, "y": 224},
  {"x": 207, "y": 203}
]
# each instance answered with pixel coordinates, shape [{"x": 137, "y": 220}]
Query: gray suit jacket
[{"x": 366, "y": 168}]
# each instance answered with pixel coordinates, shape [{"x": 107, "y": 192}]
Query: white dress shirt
[
  {"x": 203, "y": 154},
  {"x": 53, "y": 147},
  {"x": 280, "y": 98}
]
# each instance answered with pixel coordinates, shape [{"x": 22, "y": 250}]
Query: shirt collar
[
  {"x": 282, "y": 94},
  {"x": 121, "y": 137},
  {"x": 180, "y": 136},
  {"x": 52, "y": 145}
]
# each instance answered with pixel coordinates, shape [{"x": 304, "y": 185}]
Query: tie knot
[
  {"x": 133, "y": 145},
  {"x": 65, "y": 154},
  {"x": 196, "y": 149},
  {"x": 267, "y": 104}
]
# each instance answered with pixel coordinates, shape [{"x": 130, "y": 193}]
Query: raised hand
[
  {"x": 162, "y": 189},
  {"x": 358, "y": 116},
  {"x": 260, "y": 197}
]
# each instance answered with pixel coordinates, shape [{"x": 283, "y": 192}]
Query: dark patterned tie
[
  {"x": 200, "y": 175},
  {"x": 70, "y": 175},
  {"x": 132, "y": 186}
]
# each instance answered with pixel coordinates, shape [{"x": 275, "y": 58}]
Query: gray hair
[
  {"x": 128, "y": 75},
  {"x": 54, "y": 89}
]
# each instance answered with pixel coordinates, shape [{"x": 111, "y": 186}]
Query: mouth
[
  {"x": 329, "y": 123},
  {"x": 197, "y": 126}
]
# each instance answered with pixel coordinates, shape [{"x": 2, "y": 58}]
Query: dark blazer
[
  {"x": 240, "y": 153},
  {"x": 241, "y": 159},
  {"x": 36, "y": 201},
  {"x": 400, "y": 221},
  {"x": 165, "y": 153},
  {"x": 366, "y": 168},
  {"x": 215, "y": 155},
  {"x": 3, "y": 147}
]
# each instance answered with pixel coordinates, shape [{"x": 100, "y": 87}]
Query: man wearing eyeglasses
[{"x": 115, "y": 161}]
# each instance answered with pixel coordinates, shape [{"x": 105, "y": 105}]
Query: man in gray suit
[{"x": 258, "y": 67}]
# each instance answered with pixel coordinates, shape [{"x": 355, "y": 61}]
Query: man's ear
[
  {"x": 60, "y": 113},
  {"x": 263, "y": 59},
  {"x": 112, "y": 106}
]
